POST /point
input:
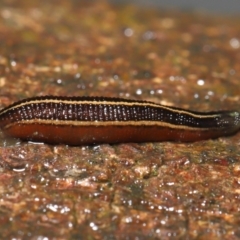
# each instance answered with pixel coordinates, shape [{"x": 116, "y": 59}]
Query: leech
[{"x": 95, "y": 120}]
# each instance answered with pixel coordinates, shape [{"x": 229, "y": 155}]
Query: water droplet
[
  {"x": 148, "y": 35},
  {"x": 128, "y": 32},
  {"x": 139, "y": 91},
  {"x": 234, "y": 43},
  {"x": 210, "y": 93},
  {"x": 77, "y": 75},
  {"x": 13, "y": 63},
  {"x": 196, "y": 95},
  {"x": 200, "y": 82},
  {"x": 20, "y": 169},
  {"x": 59, "y": 81},
  {"x": 159, "y": 91},
  {"x": 93, "y": 226}
]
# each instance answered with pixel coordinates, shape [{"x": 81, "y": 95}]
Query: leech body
[{"x": 94, "y": 120}]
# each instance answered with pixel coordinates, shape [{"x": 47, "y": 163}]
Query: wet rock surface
[{"x": 164, "y": 190}]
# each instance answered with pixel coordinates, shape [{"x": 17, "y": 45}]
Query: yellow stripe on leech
[
  {"x": 92, "y": 103},
  {"x": 105, "y": 124}
]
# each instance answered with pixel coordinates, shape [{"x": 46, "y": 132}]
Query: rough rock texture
[{"x": 163, "y": 190}]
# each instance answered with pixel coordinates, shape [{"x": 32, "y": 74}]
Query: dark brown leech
[{"x": 91, "y": 120}]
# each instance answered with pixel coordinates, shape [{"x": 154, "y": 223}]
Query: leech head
[
  {"x": 229, "y": 120},
  {"x": 236, "y": 116}
]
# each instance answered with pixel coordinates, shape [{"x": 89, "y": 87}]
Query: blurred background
[{"x": 213, "y": 6}]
